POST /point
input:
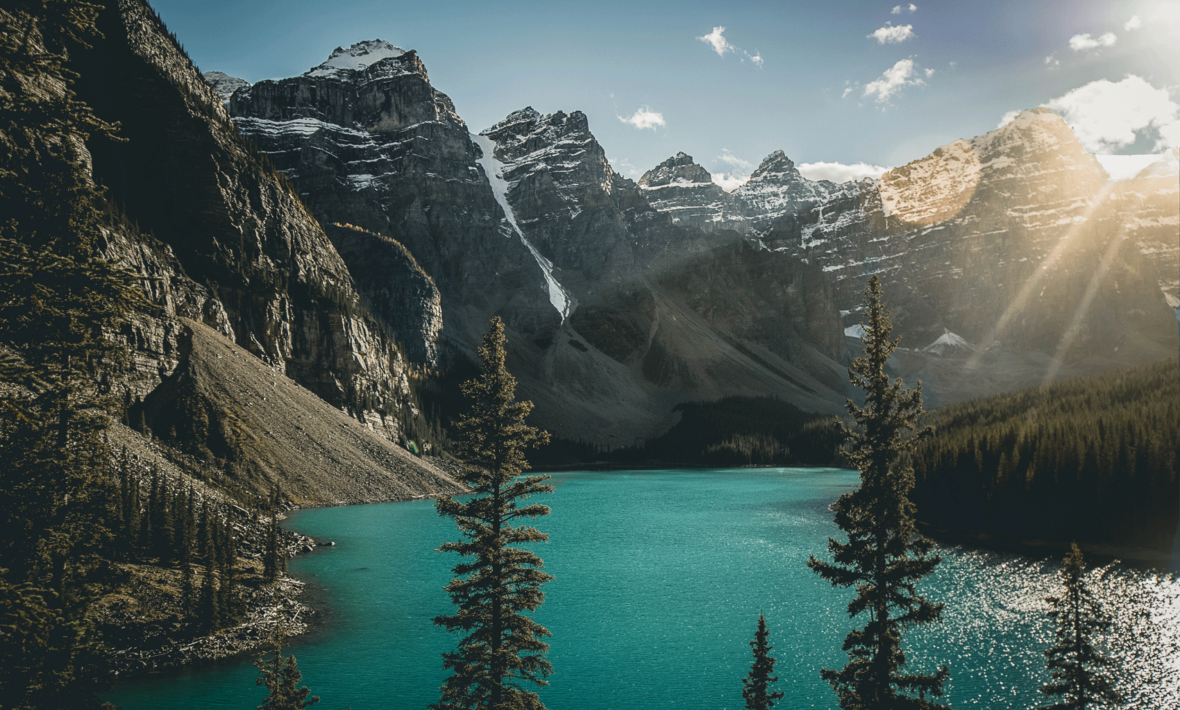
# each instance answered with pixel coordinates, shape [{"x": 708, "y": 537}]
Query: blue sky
[{"x": 830, "y": 83}]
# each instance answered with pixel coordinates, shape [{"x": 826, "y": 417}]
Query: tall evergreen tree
[
  {"x": 884, "y": 556},
  {"x": 274, "y": 560},
  {"x": 1075, "y": 666},
  {"x": 502, "y": 647},
  {"x": 281, "y": 677},
  {"x": 756, "y": 688}
]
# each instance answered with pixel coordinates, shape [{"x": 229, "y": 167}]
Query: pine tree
[
  {"x": 282, "y": 678},
  {"x": 1075, "y": 666},
  {"x": 208, "y": 607},
  {"x": 884, "y": 556},
  {"x": 274, "y": 560},
  {"x": 502, "y": 647},
  {"x": 756, "y": 688}
]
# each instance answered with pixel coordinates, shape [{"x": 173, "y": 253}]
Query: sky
[{"x": 845, "y": 89}]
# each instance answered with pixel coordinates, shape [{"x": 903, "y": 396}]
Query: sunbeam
[{"x": 1034, "y": 280}]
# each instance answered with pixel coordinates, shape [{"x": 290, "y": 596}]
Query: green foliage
[
  {"x": 281, "y": 677},
  {"x": 884, "y": 557},
  {"x": 1092, "y": 460},
  {"x": 1076, "y": 667},
  {"x": 756, "y": 688},
  {"x": 501, "y": 648}
]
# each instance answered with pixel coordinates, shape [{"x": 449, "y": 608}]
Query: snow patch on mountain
[
  {"x": 494, "y": 170},
  {"x": 947, "y": 342},
  {"x": 356, "y": 58},
  {"x": 855, "y": 331}
]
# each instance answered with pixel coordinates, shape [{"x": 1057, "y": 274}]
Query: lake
[{"x": 659, "y": 579}]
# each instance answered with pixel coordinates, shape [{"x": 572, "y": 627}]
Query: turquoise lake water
[{"x": 659, "y": 579}]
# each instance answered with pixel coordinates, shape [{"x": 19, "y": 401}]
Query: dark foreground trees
[
  {"x": 501, "y": 650},
  {"x": 756, "y": 688},
  {"x": 1075, "y": 666},
  {"x": 884, "y": 556}
]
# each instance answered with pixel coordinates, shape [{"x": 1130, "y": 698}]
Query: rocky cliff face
[
  {"x": 686, "y": 192},
  {"x": 236, "y": 248},
  {"x": 369, "y": 142},
  {"x": 224, "y": 84},
  {"x": 777, "y": 188}
]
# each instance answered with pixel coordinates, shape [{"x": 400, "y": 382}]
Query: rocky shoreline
[{"x": 270, "y": 610}]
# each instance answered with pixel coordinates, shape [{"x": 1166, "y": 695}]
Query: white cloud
[
  {"x": 846, "y": 92},
  {"x": 898, "y": 8},
  {"x": 892, "y": 80},
  {"x": 1007, "y": 118},
  {"x": 731, "y": 159},
  {"x": 1106, "y": 116},
  {"x": 1079, "y": 43},
  {"x": 1052, "y": 60},
  {"x": 730, "y": 181},
  {"x": 929, "y": 73},
  {"x": 893, "y": 34},
  {"x": 645, "y": 118},
  {"x": 715, "y": 40},
  {"x": 1133, "y": 24},
  {"x": 840, "y": 172}
]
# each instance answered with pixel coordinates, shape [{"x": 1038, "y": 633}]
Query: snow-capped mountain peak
[{"x": 358, "y": 57}]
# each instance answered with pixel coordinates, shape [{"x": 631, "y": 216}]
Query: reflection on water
[
  {"x": 999, "y": 599},
  {"x": 660, "y": 577}
]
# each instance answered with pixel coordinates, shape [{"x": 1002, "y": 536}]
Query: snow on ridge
[
  {"x": 357, "y": 57},
  {"x": 494, "y": 170}
]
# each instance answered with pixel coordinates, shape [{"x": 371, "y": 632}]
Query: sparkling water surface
[{"x": 659, "y": 579}]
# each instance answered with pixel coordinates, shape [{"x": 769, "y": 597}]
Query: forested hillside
[{"x": 1091, "y": 460}]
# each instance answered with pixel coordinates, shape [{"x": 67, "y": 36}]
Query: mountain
[
  {"x": 367, "y": 141},
  {"x": 221, "y": 239},
  {"x": 224, "y": 84},
  {"x": 686, "y": 192},
  {"x": 1015, "y": 243},
  {"x": 527, "y": 220},
  {"x": 1014, "y": 238}
]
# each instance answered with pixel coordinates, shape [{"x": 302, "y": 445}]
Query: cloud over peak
[
  {"x": 840, "y": 172},
  {"x": 644, "y": 117},
  {"x": 892, "y": 34},
  {"x": 1107, "y": 116}
]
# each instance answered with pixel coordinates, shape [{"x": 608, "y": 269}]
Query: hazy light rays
[
  {"x": 1022, "y": 298},
  {"x": 1075, "y": 324}
]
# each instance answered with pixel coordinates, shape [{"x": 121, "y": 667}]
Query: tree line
[{"x": 1091, "y": 460}]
